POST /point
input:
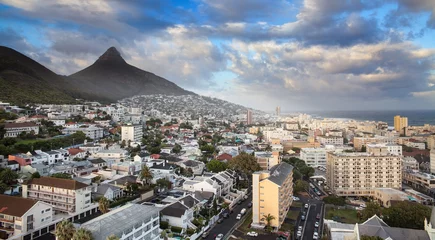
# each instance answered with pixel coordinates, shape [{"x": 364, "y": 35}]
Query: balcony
[
  {"x": 8, "y": 230},
  {"x": 6, "y": 220},
  {"x": 52, "y": 193}
]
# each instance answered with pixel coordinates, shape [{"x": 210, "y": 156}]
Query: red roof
[
  {"x": 155, "y": 156},
  {"x": 18, "y": 125},
  {"x": 39, "y": 116},
  {"x": 75, "y": 151},
  {"x": 224, "y": 156}
]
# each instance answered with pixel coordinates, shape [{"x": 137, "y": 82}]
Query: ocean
[{"x": 415, "y": 117}]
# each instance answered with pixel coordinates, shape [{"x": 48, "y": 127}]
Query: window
[
  {"x": 47, "y": 210},
  {"x": 18, "y": 227}
]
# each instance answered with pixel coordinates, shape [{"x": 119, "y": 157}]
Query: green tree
[
  {"x": 103, "y": 205},
  {"x": 164, "y": 183},
  {"x": 216, "y": 166},
  {"x": 123, "y": 144},
  {"x": 245, "y": 163},
  {"x": 112, "y": 237},
  {"x": 61, "y": 175},
  {"x": 268, "y": 218},
  {"x": 363, "y": 148},
  {"x": 8, "y": 176},
  {"x": 208, "y": 148},
  {"x": 372, "y": 208},
  {"x": 406, "y": 215},
  {"x": 335, "y": 200},
  {"x": 64, "y": 230},
  {"x": 36, "y": 175},
  {"x": 2, "y": 131},
  {"x": 3, "y": 187},
  {"x": 82, "y": 234},
  {"x": 146, "y": 175},
  {"x": 301, "y": 186},
  {"x": 177, "y": 148}
]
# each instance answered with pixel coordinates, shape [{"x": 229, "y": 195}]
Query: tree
[
  {"x": 339, "y": 201},
  {"x": 301, "y": 186},
  {"x": 189, "y": 172},
  {"x": 61, "y": 175},
  {"x": 123, "y": 144},
  {"x": 268, "y": 218},
  {"x": 146, "y": 175},
  {"x": 164, "y": 183},
  {"x": 82, "y": 234},
  {"x": 36, "y": 175},
  {"x": 406, "y": 215},
  {"x": 372, "y": 208},
  {"x": 64, "y": 230},
  {"x": 216, "y": 166},
  {"x": 8, "y": 176},
  {"x": 112, "y": 237},
  {"x": 177, "y": 148},
  {"x": 363, "y": 148},
  {"x": 2, "y": 131},
  {"x": 208, "y": 148},
  {"x": 3, "y": 187},
  {"x": 103, "y": 205},
  {"x": 244, "y": 163}
]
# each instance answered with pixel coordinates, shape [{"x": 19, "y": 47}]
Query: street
[{"x": 228, "y": 223}]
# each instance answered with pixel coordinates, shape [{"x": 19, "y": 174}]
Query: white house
[
  {"x": 108, "y": 191},
  {"x": 181, "y": 212}
]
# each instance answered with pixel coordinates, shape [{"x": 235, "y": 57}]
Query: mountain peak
[{"x": 111, "y": 54}]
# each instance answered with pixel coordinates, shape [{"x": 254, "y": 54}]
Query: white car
[
  {"x": 316, "y": 235},
  {"x": 300, "y": 228},
  {"x": 252, "y": 234},
  {"x": 316, "y": 224},
  {"x": 239, "y": 216},
  {"x": 220, "y": 236},
  {"x": 299, "y": 233},
  {"x": 295, "y": 198},
  {"x": 306, "y": 205}
]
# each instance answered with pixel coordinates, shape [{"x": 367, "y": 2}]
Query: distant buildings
[
  {"x": 432, "y": 161},
  {"x": 400, "y": 123},
  {"x": 314, "y": 157},
  {"x": 249, "y": 117},
  {"x": 132, "y": 133},
  {"x": 358, "y": 174},
  {"x": 92, "y": 132},
  {"x": 330, "y": 140},
  {"x": 278, "y": 111},
  {"x": 14, "y": 129},
  {"x": 272, "y": 194}
]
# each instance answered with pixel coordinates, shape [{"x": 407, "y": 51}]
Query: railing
[
  {"x": 6, "y": 220},
  {"x": 52, "y": 193}
]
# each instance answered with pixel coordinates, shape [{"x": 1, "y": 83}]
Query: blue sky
[{"x": 300, "y": 55}]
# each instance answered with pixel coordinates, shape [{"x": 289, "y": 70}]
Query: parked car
[
  {"x": 250, "y": 205},
  {"x": 205, "y": 234},
  {"x": 243, "y": 211},
  {"x": 319, "y": 193},
  {"x": 252, "y": 234},
  {"x": 306, "y": 205},
  {"x": 226, "y": 215},
  {"x": 299, "y": 233},
  {"x": 220, "y": 220},
  {"x": 300, "y": 228},
  {"x": 239, "y": 202},
  {"x": 318, "y": 216},
  {"x": 220, "y": 236},
  {"x": 315, "y": 235},
  {"x": 316, "y": 224},
  {"x": 239, "y": 216},
  {"x": 303, "y": 217},
  {"x": 296, "y": 198}
]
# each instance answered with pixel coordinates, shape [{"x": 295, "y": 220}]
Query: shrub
[
  {"x": 176, "y": 229},
  {"x": 164, "y": 225},
  {"x": 190, "y": 231},
  {"x": 335, "y": 200}
]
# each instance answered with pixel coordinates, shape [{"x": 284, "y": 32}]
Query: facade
[
  {"x": 90, "y": 131},
  {"x": 330, "y": 140},
  {"x": 314, "y": 157},
  {"x": 400, "y": 123},
  {"x": 386, "y": 196},
  {"x": 272, "y": 194},
  {"x": 359, "y": 142},
  {"x": 132, "y": 133},
  {"x": 267, "y": 160},
  {"x": 394, "y": 149},
  {"x": 419, "y": 180},
  {"x": 358, "y": 174},
  {"x": 126, "y": 224},
  {"x": 20, "y": 215},
  {"x": 14, "y": 129},
  {"x": 65, "y": 195}
]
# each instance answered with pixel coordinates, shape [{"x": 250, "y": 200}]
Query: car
[
  {"x": 226, "y": 215},
  {"x": 303, "y": 217},
  {"x": 315, "y": 235},
  {"x": 240, "y": 202},
  {"x": 220, "y": 220},
  {"x": 296, "y": 198},
  {"x": 318, "y": 216},
  {"x": 299, "y": 233},
  {"x": 239, "y": 216},
  {"x": 252, "y": 234},
  {"x": 249, "y": 205},
  {"x": 306, "y": 205},
  {"x": 220, "y": 236},
  {"x": 205, "y": 235},
  {"x": 316, "y": 224},
  {"x": 319, "y": 193},
  {"x": 300, "y": 228}
]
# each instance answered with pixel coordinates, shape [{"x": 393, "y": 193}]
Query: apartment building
[
  {"x": 358, "y": 174},
  {"x": 129, "y": 222},
  {"x": 400, "y": 123},
  {"x": 20, "y": 215},
  {"x": 266, "y": 160},
  {"x": 314, "y": 157},
  {"x": 391, "y": 148},
  {"x": 330, "y": 140},
  {"x": 410, "y": 163},
  {"x": 65, "y": 195},
  {"x": 272, "y": 192},
  {"x": 132, "y": 133},
  {"x": 419, "y": 180},
  {"x": 90, "y": 131},
  {"x": 14, "y": 129},
  {"x": 432, "y": 161},
  {"x": 358, "y": 142}
]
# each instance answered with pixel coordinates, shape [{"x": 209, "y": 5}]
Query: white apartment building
[
  {"x": 277, "y": 133},
  {"x": 394, "y": 149},
  {"x": 90, "y": 131},
  {"x": 132, "y": 133},
  {"x": 410, "y": 163},
  {"x": 330, "y": 140},
  {"x": 314, "y": 157},
  {"x": 65, "y": 195},
  {"x": 14, "y": 129},
  {"x": 358, "y": 174},
  {"x": 20, "y": 215},
  {"x": 116, "y": 153},
  {"x": 129, "y": 222},
  {"x": 432, "y": 161}
]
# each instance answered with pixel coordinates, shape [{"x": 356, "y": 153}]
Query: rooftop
[
  {"x": 15, "y": 206},
  {"x": 58, "y": 183},
  {"x": 280, "y": 172}
]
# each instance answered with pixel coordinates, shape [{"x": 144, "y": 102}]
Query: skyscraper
[
  {"x": 278, "y": 111},
  {"x": 249, "y": 117},
  {"x": 400, "y": 123}
]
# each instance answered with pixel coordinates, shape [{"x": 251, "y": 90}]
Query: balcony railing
[
  {"x": 52, "y": 193},
  {"x": 6, "y": 220}
]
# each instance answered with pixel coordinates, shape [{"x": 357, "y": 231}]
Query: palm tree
[
  {"x": 64, "y": 230},
  {"x": 112, "y": 237},
  {"x": 268, "y": 218},
  {"x": 103, "y": 205},
  {"x": 8, "y": 176},
  {"x": 82, "y": 234},
  {"x": 146, "y": 175}
]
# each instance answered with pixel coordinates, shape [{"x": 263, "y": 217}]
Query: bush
[
  {"x": 190, "y": 231},
  {"x": 176, "y": 229},
  {"x": 122, "y": 201},
  {"x": 164, "y": 225},
  {"x": 339, "y": 201}
]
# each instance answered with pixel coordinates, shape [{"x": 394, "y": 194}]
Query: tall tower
[
  {"x": 400, "y": 123},
  {"x": 249, "y": 117},
  {"x": 278, "y": 111}
]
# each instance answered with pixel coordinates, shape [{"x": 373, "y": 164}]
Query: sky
[{"x": 300, "y": 55}]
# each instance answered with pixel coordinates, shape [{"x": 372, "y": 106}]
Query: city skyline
[{"x": 364, "y": 54}]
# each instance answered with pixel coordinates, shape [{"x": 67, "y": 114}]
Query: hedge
[
  {"x": 190, "y": 231},
  {"x": 164, "y": 225},
  {"x": 176, "y": 229}
]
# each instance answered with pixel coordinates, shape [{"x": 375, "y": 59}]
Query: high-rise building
[
  {"x": 249, "y": 117},
  {"x": 272, "y": 194},
  {"x": 278, "y": 111},
  {"x": 132, "y": 133},
  {"x": 400, "y": 123},
  {"x": 358, "y": 174},
  {"x": 432, "y": 161}
]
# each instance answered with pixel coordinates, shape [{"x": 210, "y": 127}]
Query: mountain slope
[
  {"x": 110, "y": 77},
  {"x": 23, "y": 80}
]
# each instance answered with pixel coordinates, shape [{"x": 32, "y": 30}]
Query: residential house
[
  {"x": 3, "y": 161},
  {"x": 13, "y": 165},
  {"x": 225, "y": 157},
  {"x": 21, "y": 159},
  {"x": 98, "y": 163},
  {"x": 14, "y": 129},
  {"x": 76, "y": 153},
  {"x": 108, "y": 191},
  {"x": 181, "y": 213}
]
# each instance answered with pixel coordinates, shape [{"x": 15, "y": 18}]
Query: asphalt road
[{"x": 228, "y": 223}]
